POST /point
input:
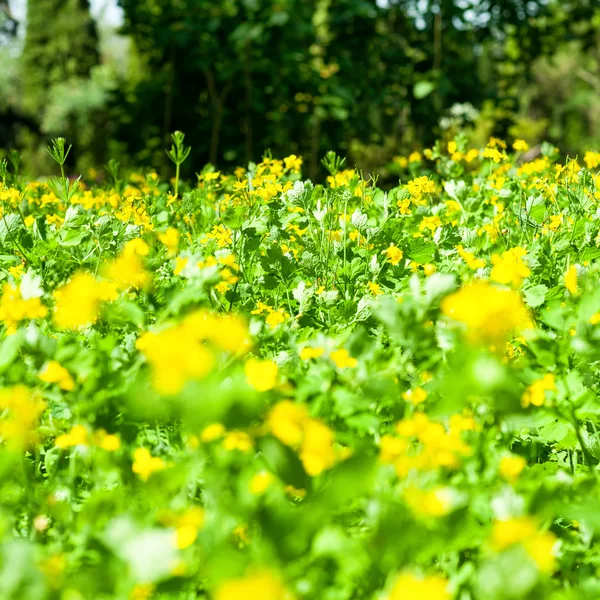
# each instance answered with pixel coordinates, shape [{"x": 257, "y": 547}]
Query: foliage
[
  {"x": 368, "y": 78},
  {"x": 261, "y": 387}
]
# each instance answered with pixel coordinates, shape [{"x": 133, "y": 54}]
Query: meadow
[{"x": 250, "y": 385}]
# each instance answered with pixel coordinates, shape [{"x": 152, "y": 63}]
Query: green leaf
[
  {"x": 422, "y": 89},
  {"x": 536, "y": 295}
]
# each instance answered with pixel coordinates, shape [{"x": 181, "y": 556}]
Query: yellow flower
[
  {"x": 23, "y": 409},
  {"x": 394, "y": 254},
  {"x": 509, "y": 268},
  {"x": 260, "y": 483},
  {"x": 293, "y": 163},
  {"x": 107, "y": 441},
  {"x": 511, "y": 467},
  {"x": 520, "y": 146},
  {"x": 309, "y": 352},
  {"x": 571, "y": 280},
  {"x": 490, "y": 313},
  {"x": 222, "y": 287},
  {"x": 54, "y": 372},
  {"x": 287, "y": 421},
  {"x": 78, "y": 302},
  {"x": 180, "y": 264},
  {"x": 187, "y": 526},
  {"x": 494, "y": 154},
  {"x": 317, "y": 452},
  {"x": 433, "y": 503},
  {"x": 411, "y": 587},
  {"x": 276, "y": 318},
  {"x": 342, "y": 359},
  {"x": 170, "y": 238},
  {"x": 429, "y": 269},
  {"x": 523, "y": 530},
  {"x": 592, "y": 159},
  {"x": 416, "y": 396},
  {"x": 237, "y": 440},
  {"x": 260, "y": 586},
  {"x": 176, "y": 355},
  {"x": 430, "y": 223},
  {"x": 77, "y": 436},
  {"x": 14, "y": 308},
  {"x": 261, "y": 374},
  {"x": 374, "y": 288},
  {"x": 142, "y": 591},
  {"x": 472, "y": 262},
  {"x": 144, "y": 464},
  {"x": 128, "y": 269},
  {"x": 420, "y": 187},
  {"x": 536, "y": 393},
  {"x": 16, "y": 271},
  {"x": 212, "y": 432}
]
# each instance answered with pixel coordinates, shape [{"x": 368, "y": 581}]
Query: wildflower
[
  {"x": 144, "y": 464},
  {"x": 54, "y": 372},
  {"x": 309, "y": 352},
  {"x": 420, "y": 187},
  {"x": 293, "y": 163},
  {"x": 571, "y": 280},
  {"x": 16, "y": 271},
  {"x": 374, "y": 288},
  {"x": 520, "y": 146},
  {"x": 523, "y": 530},
  {"x": 404, "y": 206},
  {"x": 471, "y": 155},
  {"x": 430, "y": 223},
  {"x": 261, "y": 482},
  {"x": 107, "y": 441},
  {"x": 23, "y": 409},
  {"x": 176, "y": 355},
  {"x": 77, "y": 436},
  {"x": 213, "y": 432},
  {"x": 316, "y": 452},
  {"x": 14, "y": 308},
  {"x": 276, "y": 318},
  {"x": 429, "y": 269},
  {"x": 433, "y": 503},
  {"x": 222, "y": 287},
  {"x": 394, "y": 254},
  {"x": 287, "y": 421},
  {"x": 142, "y": 591},
  {"x": 592, "y": 159},
  {"x": 342, "y": 359},
  {"x": 511, "y": 467},
  {"x": 187, "y": 526},
  {"x": 494, "y": 154},
  {"x": 536, "y": 393},
  {"x": 237, "y": 440},
  {"x": 180, "y": 264},
  {"x": 416, "y": 396},
  {"x": 510, "y": 268},
  {"x": 410, "y": 586},
  {"x": 78, "y": 301},
  {"x": 261, "y": 374},
  {"x": 263, "y": 585},
  {"x": 489, "y": 312},
  {"x": 128, "y": 269},
  {"x": 470, "y": 259},
  {"x": 170, "y": 238}
]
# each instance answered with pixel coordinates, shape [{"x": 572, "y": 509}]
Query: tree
[{"x": 61, "y": 43}]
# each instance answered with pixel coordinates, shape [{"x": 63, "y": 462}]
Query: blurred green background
[{"x": 370, "y": 79}]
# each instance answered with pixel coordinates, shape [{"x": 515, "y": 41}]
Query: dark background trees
[{"x": 367, "y": 78}]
